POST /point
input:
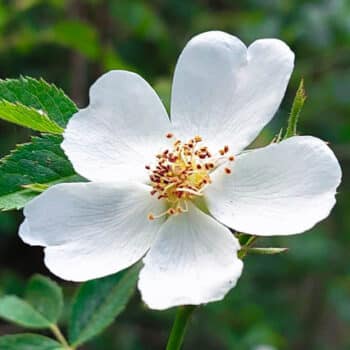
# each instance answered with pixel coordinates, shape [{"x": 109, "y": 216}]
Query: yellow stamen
[{"x": 182, "y": 173}]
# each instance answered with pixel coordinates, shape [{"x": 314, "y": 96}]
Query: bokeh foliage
[{"x": 298, "y": 300}]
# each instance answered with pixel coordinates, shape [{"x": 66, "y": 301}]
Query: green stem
[
  {"x": 179, "y": 327},
  {"x": 297, "y": 106},
  {"x": 60, "y": 337},
  {"x": 244, "y": 250}
]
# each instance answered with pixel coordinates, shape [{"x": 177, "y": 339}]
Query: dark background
[{"x": 300, "y": 300}]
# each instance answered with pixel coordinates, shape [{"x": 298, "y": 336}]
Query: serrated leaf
[
  {"x": 99, "y": 302},
  {"x": 21, "y": 312},
  {"x": 45, "y": 296},
  {"x": 297, "y": 106},
  {"x": 39, "y": 95},
  {"x": 28, "y": 342},
  {"x": 41, "y": 162},
  {"x": 28, "y": 117}
]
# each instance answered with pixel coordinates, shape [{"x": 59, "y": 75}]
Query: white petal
[
  {"x": 193, "y": 261},
  {"x": 26, "y": 236},
  {"x": 91, "y": 230},
  {"x": 119, "y": 132},
  {"x": 280, "y": 189},
  {"x": 227, "y": 93}
]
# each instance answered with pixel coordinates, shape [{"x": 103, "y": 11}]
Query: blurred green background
[{"x": 300, "y": 300}]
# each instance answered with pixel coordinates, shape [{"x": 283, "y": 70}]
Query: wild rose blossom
[{"x": 168, "y": 190}]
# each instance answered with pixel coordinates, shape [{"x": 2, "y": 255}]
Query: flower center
[{"x": 182, "y": 172}]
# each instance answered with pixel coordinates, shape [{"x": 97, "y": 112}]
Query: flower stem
[
  {"x": 60, "y": 337},
  {"x": 179, "y": 327},
  {"x": 244, "y": 250}
]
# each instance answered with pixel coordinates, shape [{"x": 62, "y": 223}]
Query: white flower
[{"x": 168, "y": 191}]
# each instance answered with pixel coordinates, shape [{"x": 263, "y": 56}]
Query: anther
[
  {"x": 169, "y": 135},
  {"x": 150, "y": 216},
  {"x": 181, "y": 173},
  {"x": 231, "y": 158},
  {"x": 228, "y": 171},
  {"x": 171, "y": 211}
]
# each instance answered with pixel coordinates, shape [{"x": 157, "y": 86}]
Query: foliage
[
  {"x": 28, "y": 342},
  {"x": 45, "y": 296},
  {"x": 40, "y": 161},
  {"x": 21, "y": 312},
  {"x": 98, "y": 302},
  {"x": 38, "y": 95},
  {"x": 42, "y": 107},
  {"x": 94, "y": 308},
  {"x": 40, "y": 308},
  {"x": 298, "y": 300},
  {"x": 29, "y": 117}
]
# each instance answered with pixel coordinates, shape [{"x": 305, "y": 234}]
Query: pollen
[{"x": 182, "y": 172}]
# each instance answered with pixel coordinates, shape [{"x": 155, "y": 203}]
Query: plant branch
[
  {"x": 244, "y": 250},
  {"x": 60, "y": 337},
  {"x": 179, "y": 327}
]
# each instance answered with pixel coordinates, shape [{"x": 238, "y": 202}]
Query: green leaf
[
  {"x": 28, "y": 342},
  {"x": 298, "y": 103},
  {"x": 39, "y": 95},
  {"x": 45, "y": 296},
  {"x": 85, "y": 38},
  {"x": 99, "y": 302},
  {"x": 41, "y": 307},
  {"x": 28, "y": 117},
  {"x": 40, "y": 162},
  {"x": 22, "y": 313}
]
